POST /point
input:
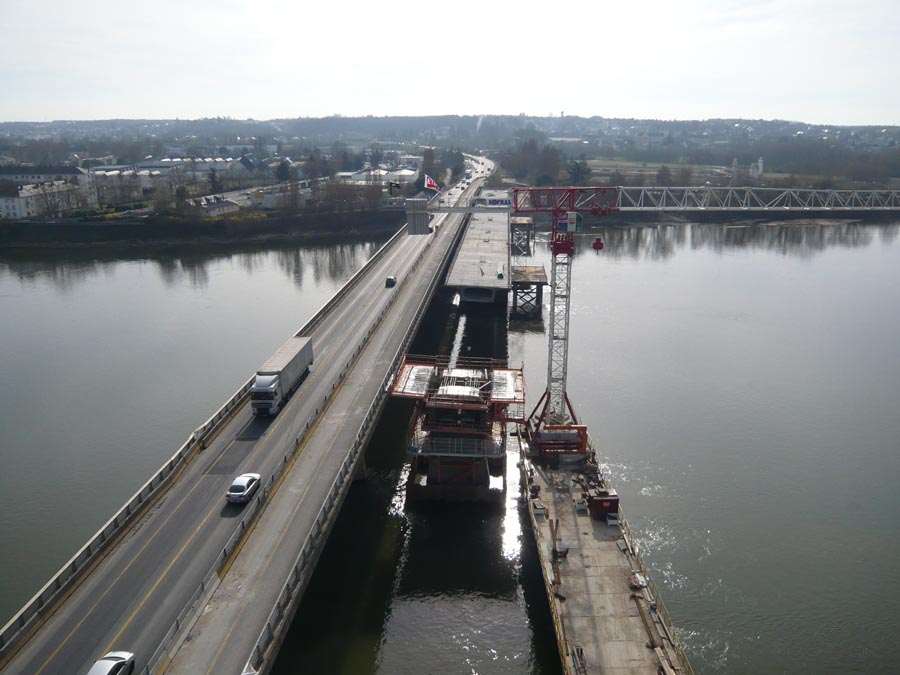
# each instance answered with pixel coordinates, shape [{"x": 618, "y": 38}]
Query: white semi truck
[{"x": 280, "y": 375}]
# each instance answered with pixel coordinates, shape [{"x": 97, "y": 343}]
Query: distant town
[{"x": 227, "y": 168}]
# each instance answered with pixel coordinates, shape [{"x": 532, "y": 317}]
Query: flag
[{"x": 430, "y": 184}]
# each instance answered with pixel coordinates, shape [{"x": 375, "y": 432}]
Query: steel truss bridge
[
  {"x": 706, "y": 198},
  {"x": 682, "y": 200}
]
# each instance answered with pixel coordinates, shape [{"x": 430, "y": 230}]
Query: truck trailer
[{"x": 281, "y": 375}]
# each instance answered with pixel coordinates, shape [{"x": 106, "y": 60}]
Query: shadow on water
[{"x": 658, "y": 241}]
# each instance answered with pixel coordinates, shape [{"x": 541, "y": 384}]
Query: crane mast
[
  {"x": 565, "y": 205},
  {"x": 562, "y": 247}
]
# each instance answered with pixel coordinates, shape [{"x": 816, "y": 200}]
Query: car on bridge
[
  {"x": 243, "y": 488},
  {"x": 114, "y": 663}
]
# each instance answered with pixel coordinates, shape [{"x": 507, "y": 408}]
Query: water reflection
[
  {"x": 63, "y": 277},
  {"x": 67, "y": 270},
  {"x": 799, "y": 238}
]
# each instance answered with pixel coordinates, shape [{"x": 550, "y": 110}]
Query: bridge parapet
[{"x": 44, "y": 601}]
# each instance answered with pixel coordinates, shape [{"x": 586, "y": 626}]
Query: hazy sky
[{"x": 819, "y": 61}]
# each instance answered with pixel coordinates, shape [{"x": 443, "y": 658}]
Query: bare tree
[{"x": 50, "y": 199}]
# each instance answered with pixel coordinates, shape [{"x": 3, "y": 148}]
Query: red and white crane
[{"x": 554, "y": 412}]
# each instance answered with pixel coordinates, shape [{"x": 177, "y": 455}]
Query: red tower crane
[{"x": 553, "y": 425}]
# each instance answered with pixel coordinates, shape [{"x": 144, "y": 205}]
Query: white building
[
  {"x": 30, "y": 175},
  {"x": 756, "y": 169},
  {"x": 52, "y": 198},
  {"x": 33, "y": 175},
  {"x": 402, "y": 175},
  {"x": 212, "y": 207}
]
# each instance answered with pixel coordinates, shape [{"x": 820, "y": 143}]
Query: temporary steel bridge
[
  {"x": 707, "y": 198},
  {"x": 704, "y": 198}
]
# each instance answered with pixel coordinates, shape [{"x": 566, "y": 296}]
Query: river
[{"x": 740, "y": 382}]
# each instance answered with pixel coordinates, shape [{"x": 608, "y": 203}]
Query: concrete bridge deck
[{"x": 480, "y": 268}]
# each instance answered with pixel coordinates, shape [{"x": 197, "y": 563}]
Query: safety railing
[
  {"x": 457, "y": 447},
  {"x": 207, "y": 587},
  {"x": 323, "y": 311},
  {"x": 658, "y": 605}
]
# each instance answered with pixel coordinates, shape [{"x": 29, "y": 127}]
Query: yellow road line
[
  {"x": 281, "y": 537},
  {"x": 284, "y": 472},
  {"x": 165, "y": 573}
]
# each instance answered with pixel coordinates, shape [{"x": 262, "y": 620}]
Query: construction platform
[
  {"x": 607, "y": 614},
  {"x": 456, "y": 439},
  {"x": 480, "y": 268},
  {"x": 528, "y": 283}
]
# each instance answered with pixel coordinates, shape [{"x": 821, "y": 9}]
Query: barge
[{"x": 608, "y": 616}]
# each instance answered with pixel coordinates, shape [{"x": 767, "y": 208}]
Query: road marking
[
  {"x": 152, "y": 590},
  {"x": 284, "y": 472},
  {"x": 281, "y": 536}
]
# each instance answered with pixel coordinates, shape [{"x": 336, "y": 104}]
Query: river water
[{"x": 741, "y": 384}]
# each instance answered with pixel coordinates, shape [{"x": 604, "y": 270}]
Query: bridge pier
[{"x": 528, "y": 291}]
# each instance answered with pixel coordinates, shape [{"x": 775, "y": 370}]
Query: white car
[
  {"x": 114, "y": 663},
  {"x": 243, "y": 488}
]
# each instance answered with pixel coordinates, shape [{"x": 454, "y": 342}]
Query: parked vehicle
[
  {"x": 243, "y": 488},
  {"x": 390, "y": 282},
  {"x": 114, "y": 663},
  {"x": 281, "y": 375}
]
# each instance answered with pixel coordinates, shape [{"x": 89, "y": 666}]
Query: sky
[{"x": 817, "y": 61}]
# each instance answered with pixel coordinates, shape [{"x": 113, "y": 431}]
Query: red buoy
[{"x": 598, "y": 244}]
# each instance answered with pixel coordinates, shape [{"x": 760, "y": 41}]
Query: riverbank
[{"x": 169, "y": 229}]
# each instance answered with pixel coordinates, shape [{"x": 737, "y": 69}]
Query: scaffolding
[{"x": 456, "y": 438}]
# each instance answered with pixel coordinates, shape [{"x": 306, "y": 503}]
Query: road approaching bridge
[{"x": 142, "y": 591}]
